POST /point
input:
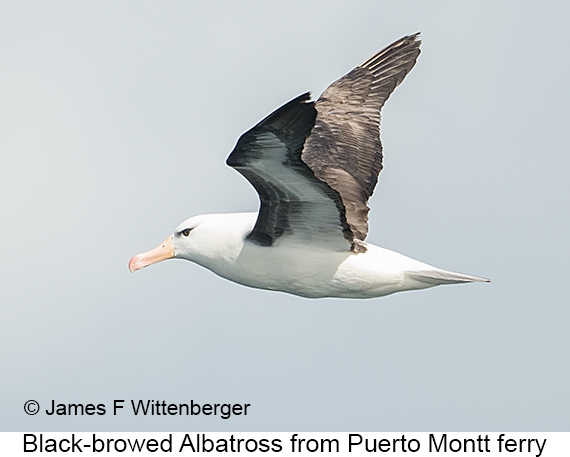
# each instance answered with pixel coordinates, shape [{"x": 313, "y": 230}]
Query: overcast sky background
[{"x": 116, "y": 118}]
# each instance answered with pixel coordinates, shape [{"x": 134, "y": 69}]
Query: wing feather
[
  {"x": 344, "y": 149},
  {"x": 315, "y": 165},
  {"x": 294, "y": 202}
]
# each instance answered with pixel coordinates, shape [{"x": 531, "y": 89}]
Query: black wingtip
[
  {"x": 408, "y": 43},
  {"x": 291, "y": 110},
  {"x": 414, "y": 37},
  {"x": 306, "y": 97}
]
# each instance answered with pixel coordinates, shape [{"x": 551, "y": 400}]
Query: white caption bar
[{"x": 267, "y": 443}]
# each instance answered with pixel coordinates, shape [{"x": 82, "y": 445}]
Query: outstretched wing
[
  {"x": 315, "y": 165},
  {"x": 294, "y": 202},
  {"x": 344, "y": 149}
]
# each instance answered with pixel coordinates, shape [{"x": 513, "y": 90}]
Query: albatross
[{"x": 314, "y": 165}]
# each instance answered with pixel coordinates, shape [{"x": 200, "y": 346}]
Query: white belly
[{"x": 321, "y": 273}]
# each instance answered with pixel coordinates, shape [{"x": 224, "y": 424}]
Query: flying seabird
[{"x": 314, "y": 166}]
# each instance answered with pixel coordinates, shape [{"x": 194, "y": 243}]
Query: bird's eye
[{"x": 185, "y": 232}]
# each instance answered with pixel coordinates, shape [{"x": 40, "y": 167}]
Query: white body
[
  {"x": 314, "y": 166},
  {"x": 301, "y": 267}
]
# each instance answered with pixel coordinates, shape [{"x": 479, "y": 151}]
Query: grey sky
[{"x": 115, "y": 122}]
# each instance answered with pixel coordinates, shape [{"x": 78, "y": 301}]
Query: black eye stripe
[{"x": 185, "y": 232}]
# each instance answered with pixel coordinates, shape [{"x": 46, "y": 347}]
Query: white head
[
  {"x": 201, "y": 239},
  {"x": 183, "y": 243}
]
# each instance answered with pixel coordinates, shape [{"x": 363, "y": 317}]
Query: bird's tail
[{"x": 435, "y": 277}]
